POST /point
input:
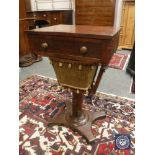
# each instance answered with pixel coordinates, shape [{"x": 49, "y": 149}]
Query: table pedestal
[{"x": 77, "y": 118}]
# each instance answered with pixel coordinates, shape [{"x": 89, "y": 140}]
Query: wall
[
  {"x": 118, "y": 13},
  {"x": 73, "y": 6}
]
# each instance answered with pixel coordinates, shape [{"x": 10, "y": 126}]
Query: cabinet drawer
[
  {"x": 55, "y": 18},
  {"x": 43, "y": 15},
  {"x": 52, "y": 17},
  {"x": 67, "y": 46}
]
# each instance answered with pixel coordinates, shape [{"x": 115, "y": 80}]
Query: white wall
[
  {"x": 118, "y": 13},
  {"x": 73, "y": 6}
]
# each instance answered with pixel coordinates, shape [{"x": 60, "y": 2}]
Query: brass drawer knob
[
  {"x": 44, "y": 45},
  {"x": 55, "y": 19},
  {"x": 44, "y": 15},
  {"x": 83, "y": 50}
]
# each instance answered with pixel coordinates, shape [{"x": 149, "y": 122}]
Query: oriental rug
[
  {"x": 119, "y": 61},
  {"x": 42, "y": 97}
]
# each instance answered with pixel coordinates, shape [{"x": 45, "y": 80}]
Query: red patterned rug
[
  {"x": 41, "y": 98},
  {"x": 118, "y": 61}
]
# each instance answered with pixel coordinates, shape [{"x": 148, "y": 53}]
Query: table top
[{"x": 98, "y": 32}]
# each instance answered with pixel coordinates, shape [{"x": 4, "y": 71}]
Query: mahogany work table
[{"x": 76, "y": 52}]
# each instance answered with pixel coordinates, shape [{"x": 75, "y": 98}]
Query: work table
[{"x": 75, "y": 52}]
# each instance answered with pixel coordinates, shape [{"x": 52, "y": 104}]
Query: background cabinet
[
  {"x": 95, "y": 12},
  {"x": 23, "y": 48},
  {"x": 127, "y": 33},
  {"x": 52, "y": 17},
  {"x": 26, "y": 57},
  {"x": 28, "y": 20}
]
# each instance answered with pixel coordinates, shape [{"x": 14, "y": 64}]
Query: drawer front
[
  {"x": 43, "y": 15},
  {"x": 55, "y": 18},
  {"x": 66, "y": 46},
  {"x": 52, "y": 17}
]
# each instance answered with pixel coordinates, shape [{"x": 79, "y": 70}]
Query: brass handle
[
  {"x": 44, "y": 45},
  {"x": 55, "y": 19},
  {"x": 83, "y": 50},
  {"x": 44, "y": 15}
]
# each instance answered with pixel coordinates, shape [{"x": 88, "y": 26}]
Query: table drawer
[{"x": 66, "y": 45}]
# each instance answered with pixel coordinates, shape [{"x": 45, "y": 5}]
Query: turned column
[
  {"x": 77, "y": 116},
  {"x": 77, "y": 101}
]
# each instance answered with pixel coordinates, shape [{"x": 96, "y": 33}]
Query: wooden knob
[
  {"x": 83, "y": 50},
  {"x": 60, "y": 64},
  {"x": 44, "y": 45},
  {"x": 80, "y": 67},
  {"x": 69, "y": 65}
]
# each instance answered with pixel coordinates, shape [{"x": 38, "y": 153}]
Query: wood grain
[
  {"x": 65, "y": 41},
  {"x": 95, "y": 12}
]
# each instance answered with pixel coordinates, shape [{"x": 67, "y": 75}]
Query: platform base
[{"x": 82, "y": 123}]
